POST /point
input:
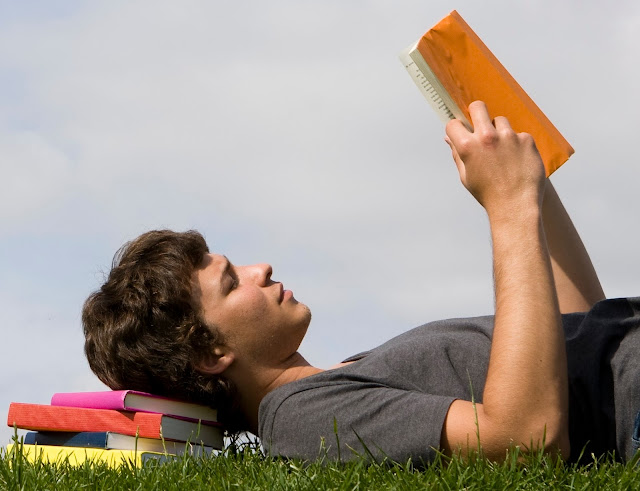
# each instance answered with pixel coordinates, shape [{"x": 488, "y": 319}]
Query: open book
[{"x": 452, "y": 67}]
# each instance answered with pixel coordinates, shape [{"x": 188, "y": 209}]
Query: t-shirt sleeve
[{"x": 373, "y": 421}]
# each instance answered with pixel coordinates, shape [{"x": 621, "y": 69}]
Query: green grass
[{"x": 250, "y": 470}]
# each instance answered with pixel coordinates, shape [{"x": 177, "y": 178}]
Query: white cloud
[{"x": 34, "y": 174}]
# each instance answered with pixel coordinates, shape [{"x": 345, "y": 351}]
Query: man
[{"x": 176, "y": 320}]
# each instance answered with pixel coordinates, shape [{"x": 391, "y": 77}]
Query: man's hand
[{"x": 498, "y": 166}]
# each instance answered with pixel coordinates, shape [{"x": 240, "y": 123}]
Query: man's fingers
[
  {"x": 479, "y": 116},
  {"x": 456, "y": 130},
  {"x": 456, "y": 159},
  {"x": 480, "y": 119},
  {"x": 502, "y": 124}
]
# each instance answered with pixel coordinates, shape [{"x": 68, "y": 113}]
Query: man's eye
[{"x": 234, "y": 283}]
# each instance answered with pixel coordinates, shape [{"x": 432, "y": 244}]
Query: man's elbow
[
  {"x": 557, "y": 443},
  {"x": 497, "y": 433},
  {"x": 543, "y": 431},
  {"x": 550, "y": 437}
]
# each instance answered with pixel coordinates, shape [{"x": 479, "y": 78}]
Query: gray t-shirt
[{"x": 392, "y": 401}]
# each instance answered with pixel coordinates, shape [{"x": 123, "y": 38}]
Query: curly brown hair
[{"x": 144, "y": 328}]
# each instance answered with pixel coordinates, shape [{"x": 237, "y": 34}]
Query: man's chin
[
  {"x": 308, "y": 313},
  {"x": 305, "y": 317}
]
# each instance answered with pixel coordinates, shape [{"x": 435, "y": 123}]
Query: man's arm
[
  {"x": 525, "y": 400},
  {"x": 577, "y": 283}
]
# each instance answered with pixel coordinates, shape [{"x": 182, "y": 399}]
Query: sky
[{"x": 287, "y": 132}]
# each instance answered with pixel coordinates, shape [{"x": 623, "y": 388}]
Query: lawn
[{"x": 248, "y": 469}]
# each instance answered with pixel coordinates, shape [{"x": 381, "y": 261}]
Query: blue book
[{"x": 110, "y": 440}]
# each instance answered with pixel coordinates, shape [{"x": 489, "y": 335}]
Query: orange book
[
  {"x": 453, "y": 67},
  {"x": 42, "y": 417}
]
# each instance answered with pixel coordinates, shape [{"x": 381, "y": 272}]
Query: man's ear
[{"x": 216, "y": 362}]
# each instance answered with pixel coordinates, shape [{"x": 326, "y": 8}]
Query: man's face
[{"x": 259, "y": 320}]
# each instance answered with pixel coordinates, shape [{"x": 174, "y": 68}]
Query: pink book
[{"x": 132, "y": 400}]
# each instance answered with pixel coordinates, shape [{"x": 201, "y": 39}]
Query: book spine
[{"x": 68, "y": 439}]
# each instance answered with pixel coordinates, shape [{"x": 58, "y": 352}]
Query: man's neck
[{"x": 253, "y": 387}]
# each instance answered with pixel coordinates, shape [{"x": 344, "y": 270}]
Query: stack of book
[{"x": 114, "y": 427}]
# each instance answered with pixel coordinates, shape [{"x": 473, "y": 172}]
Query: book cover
[
  {"x": 453, "y": 67},
  {"x": 131, "y": 400},
  {"x": 77, "y": 456},
  {"x": 117, "y": 441},
  {"x": 42, "y": 417}
]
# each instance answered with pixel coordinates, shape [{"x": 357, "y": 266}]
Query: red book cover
[
  {"x": 57, "y": 418},
  {"x": 147, "y": 425}
]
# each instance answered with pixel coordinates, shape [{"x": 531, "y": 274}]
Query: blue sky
[{"x": 287, "y": 132}]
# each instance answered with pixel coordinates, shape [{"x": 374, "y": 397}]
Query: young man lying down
[{"x": 556, "y": 366}]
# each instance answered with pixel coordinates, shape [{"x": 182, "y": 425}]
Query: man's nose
[{"x": 260, "y": 273}]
